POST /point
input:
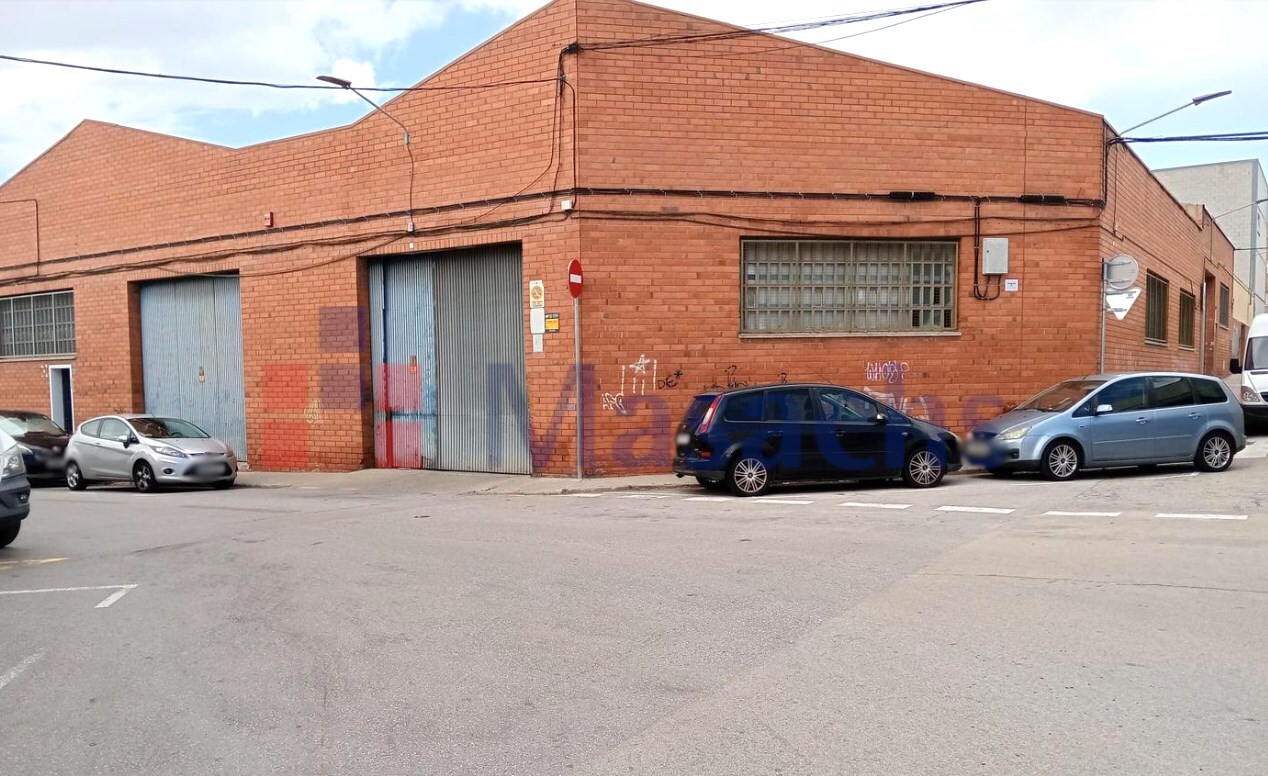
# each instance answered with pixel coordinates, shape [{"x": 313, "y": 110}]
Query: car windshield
[
  {"x": 1062, "y": 396},
  {"x": 167, "y": 428},
  {"x": 18, "y": 424},
  {"x": 1256, "y": 353}
]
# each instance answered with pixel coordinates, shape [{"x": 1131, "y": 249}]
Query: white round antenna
[{"x": 1121, "y": 272}]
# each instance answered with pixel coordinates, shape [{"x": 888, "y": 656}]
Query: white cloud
[{"x": 287, "y": 40}]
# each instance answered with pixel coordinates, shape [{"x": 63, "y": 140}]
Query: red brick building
[{"x": 747, "y": 209}]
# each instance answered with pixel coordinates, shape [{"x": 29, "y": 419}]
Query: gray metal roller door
[
  {"x": 481, "y": 403},
  {"x": 191, "y": 349}
]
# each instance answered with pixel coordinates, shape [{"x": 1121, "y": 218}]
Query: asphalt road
[{"x": 877, "y": 630}]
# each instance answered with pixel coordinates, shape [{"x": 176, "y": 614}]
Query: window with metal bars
[
  {"x": 847, "y": 286},
  {"x": 1187, "y": 305},
  {"x": 1157, "y": 297},
  {"x": 1225, "y": 304},
  {"x": 37, "y": 325}
]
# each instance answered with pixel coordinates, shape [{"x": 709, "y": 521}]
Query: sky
[{"x": 1129, "y": 60}]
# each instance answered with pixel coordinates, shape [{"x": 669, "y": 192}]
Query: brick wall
[{"x": 662, "y": 271}]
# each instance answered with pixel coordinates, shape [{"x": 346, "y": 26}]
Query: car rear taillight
[
  {"x": 703, "y": 428},
  {"x": 1249, "y": 396}
]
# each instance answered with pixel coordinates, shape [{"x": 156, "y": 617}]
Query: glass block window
[
  {"x": 37, "y": 325},
  {"x": 847, "y": 286}
]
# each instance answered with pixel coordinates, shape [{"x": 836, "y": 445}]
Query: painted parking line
[
  {"x": 872, "y": 505},
  {"x": 587, "y": 495},
  {"x": 712, "y": 499},
  {"x": 795, "y": 501},
  {"x": 1059, "y": 513},
  {"x": 13, "y": 673},
  {"x": 977, "y": 510},
  {"x": 645, "y": 496},
  {"x": 1195, "y": 516},
  {"x": 119, "y": 592}
]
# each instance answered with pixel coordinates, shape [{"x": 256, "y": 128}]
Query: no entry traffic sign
[{"x": 574, "y": 278}]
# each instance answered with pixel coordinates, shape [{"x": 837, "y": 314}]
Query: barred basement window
[
  {"x": 1157, "y": 297},
  {"x": 1224, "y": 304},
  {"x": 1187, "y": 306},
  {"x": 37, "y": 325},
  {"x": 847, "y": 286}
]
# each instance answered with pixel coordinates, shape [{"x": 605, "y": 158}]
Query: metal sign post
[{"x": 575, "y": 279}]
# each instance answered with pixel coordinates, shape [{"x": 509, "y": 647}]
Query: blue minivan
[
  {"x": 1104, "y": 421},
  {"x": 747, "y": 439}
]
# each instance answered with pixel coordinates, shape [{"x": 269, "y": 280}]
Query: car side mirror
[
  {"x": 881, "y": 418},
  {"x": 127, "y": 440},
  {"x": 1235, "y": 366},
  {"x": 1103, "y": 409}
]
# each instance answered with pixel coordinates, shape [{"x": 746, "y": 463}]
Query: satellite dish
[{"x": 1121, "y": 272}]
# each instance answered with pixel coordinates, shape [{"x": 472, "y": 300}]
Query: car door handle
[
  {"x": 775, "y": 434},
  {"x": 1195, "y": 415},
  {"x": 1142, "y": 421}
]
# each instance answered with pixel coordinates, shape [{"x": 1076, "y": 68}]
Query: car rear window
[
  {"x": 1210, "y": 392},
  {"x": 744, "y": 407},
  {"x": 696, "y": 410}
]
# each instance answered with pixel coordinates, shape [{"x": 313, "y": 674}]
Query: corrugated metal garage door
[
  {"x": 191, "y": 348},
  {"x": 447, "y": 339}
]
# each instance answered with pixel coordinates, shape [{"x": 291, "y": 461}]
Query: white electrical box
[{"x": 995, "y": 256}]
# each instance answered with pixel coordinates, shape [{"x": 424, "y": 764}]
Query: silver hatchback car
[
  {"x": 1104, "y": 421},
  {"x": 148, "y": 451}
]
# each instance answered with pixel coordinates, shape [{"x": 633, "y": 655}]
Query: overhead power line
[
  {"x": 268, "y": 84},
  {"x": 784, "y": 29},
  {"x": 1228, "y": 137}
]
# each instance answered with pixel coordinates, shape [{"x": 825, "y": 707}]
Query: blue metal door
[
  {"x": 403, "y": 349},
  {"x": 191, "y": 350}
]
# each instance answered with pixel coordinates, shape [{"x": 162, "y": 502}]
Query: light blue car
[{"x": 1104, "y": 421}]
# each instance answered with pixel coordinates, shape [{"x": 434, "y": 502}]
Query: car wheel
[
  {"x": 1061, "y": 461},
  {"x": 748, "y": 476},
  {"x": 1215, "y": 454},
  {"x": 223, "y": 484},
  {"x": 709, "y": 484},
  {"x": 143, "y": 478},
  {"x": 924, "y": 468},
  {"x": 9, "y": 532},
  {"x": 74, "y": 477}
]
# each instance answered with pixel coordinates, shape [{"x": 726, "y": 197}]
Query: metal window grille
[
  {"x": 1225, "y": 304},
  {"x": 847, "y": 286},
  {"x": 1187, "y": 305},
  {"x": 37, "y": 325},
  {"x": 1157, "y": 297}
]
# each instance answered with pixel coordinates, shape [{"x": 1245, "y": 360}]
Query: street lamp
[
  {"x": 345, "y": 84},
  {"x": 1236, "y": 209},
  {"x": 1190, "y": 104}
]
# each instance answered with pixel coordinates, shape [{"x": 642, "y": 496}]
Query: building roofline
[
  {"x": 860, "y": 57},
  {"x": 1208, "y": 164}
]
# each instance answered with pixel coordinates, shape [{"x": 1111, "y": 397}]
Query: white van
[{"x": 1252, "y": 369}]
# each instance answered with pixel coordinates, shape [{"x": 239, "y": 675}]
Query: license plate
[
  {"x": 683, "y": 439},
  {"x": 211, "y": 470},
  {"x": 978, "y": 449}
]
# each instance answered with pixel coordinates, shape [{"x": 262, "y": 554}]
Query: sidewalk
[{"x": 455, "y": 483}]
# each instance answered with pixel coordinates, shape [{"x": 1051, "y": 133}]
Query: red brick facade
[{"x": 629, "y": 136}]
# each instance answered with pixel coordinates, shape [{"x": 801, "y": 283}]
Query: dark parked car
[
  {"x": 750, "y": 438},
  {"x": 15, "y": 491},
  {"x": 43, "y": 443}
]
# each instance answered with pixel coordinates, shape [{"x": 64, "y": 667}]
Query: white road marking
[
  {"x": 1202, "y": 517},
  {"x": 120, "y": 592},
  {"x": 873, "y": 505},
  {"x": 115, "y": 596},
  {"x": 12, "y": 673},
  {"x": 713, "y": 499},
  {"x": 644, "y": 495},
  {"x": 1058, "y": 513},
  {"x": 586, "y": 495},
  {"x": 980, "y": 510},
  {"x": 779, "y": 501},
  {"x": 1180, "y": 476}
]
